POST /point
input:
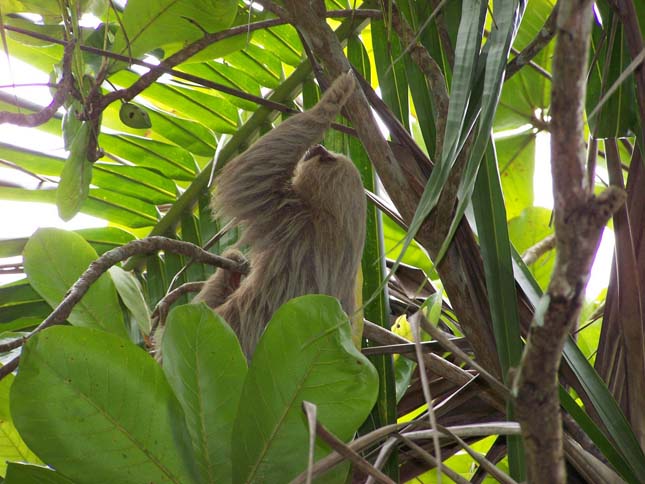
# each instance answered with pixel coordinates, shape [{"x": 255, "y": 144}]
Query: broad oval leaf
[
  {"x": 54, "y": 259},
  {"x": 98, "y": 409},
  {"x": 12, "y": 447},
  {"x": 31, "y": 474},
  {"x": 306, "y": 353},
  {"x": 206, "y": 368},
  {"x": 149, "y": 25}
]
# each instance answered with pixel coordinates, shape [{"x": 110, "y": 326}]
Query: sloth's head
[{"x": 329, "y": 181}]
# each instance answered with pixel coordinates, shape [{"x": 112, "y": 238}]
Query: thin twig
[
  {"x": 400, "y": 349},
  {"x": 160, "y": 312},
  {"x": 416, "y": 330},
  {"x": 348, "y": 453},
  {"x": 432, "y": 460},
  {"x": 449, "y": 345},
  {"x": 533, "y": 253},
  {"x": 484, "y": 463},
  {"x": 365, "y": 441},
  {"x": 541, "y": 40}
]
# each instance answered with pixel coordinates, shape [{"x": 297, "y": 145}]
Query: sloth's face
[{"x": 328, "y": 179}]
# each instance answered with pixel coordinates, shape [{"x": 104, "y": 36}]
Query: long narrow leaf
[
  {"x": 490, "y": 214},
  {"x": 373, "y": 268},
  {"x": 467, "y": 52},
  {"x": 508, "y": 15}
]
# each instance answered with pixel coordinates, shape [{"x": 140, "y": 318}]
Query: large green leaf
[
  {"x": 228, "y": 76},
  {"x": 54, "y": 259},
  {"x": 171, "y": 161},
  {"x": 187, "y": 134},
  {"x": 415, "y": 255},
  {"x": 142, "y": 183},
  {"x": 110, "y": 415},
  {"x": 30, "y": 474},
  {"x": 205, "y": 366},
  {"x": 170, "y": 23},
  {"x": 530, "y": 227},
  {"x": 191, "y": 136},
  {"x": 258, "y": 63},
  {"x": 283, "y": 41},
  {"x": 21, "y": 307},
  {"x": 528, "y": 92},
  {"x": 306, "y": 353},
  {"x": 524, "y": 96},
  {"x": 12, "y": 447},
  {"x": 105, "y": 238},
  {"x": 212, "y": 111},
  {"x": 101, "y": 238},
  {"x": 516, "y": 159},
  {"x": 114, "y": 207}
]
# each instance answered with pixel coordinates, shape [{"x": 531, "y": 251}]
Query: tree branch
[
  {"x": 580, "y": 218},
  {"x": 164, "y": 67},
  {"x": 541, "y": 40},
  {"x": 326, "y": 46},
  {"x": 533, "y": 253},
  {"x": 461, "y": 268},
  {"x": 63, "y": 89},
  {"x": 148, "y": 245},
  {"x": 160, "y": 312}
]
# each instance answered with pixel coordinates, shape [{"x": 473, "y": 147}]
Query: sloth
[{"x": 302, "y": 213}]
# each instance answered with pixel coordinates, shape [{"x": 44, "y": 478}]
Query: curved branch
[
  {"x": 63, "y": 89},
  {"x": 162, "y": 308},
  {"x": 148, "y": 245},
  {"x": 166, "y": 67},
  {"x": 541, "y": 40}
]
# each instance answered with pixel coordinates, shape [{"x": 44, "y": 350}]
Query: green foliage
[
  {"x": 98, "y": 409},
  {"x": 169, "y": 24},
  {"x": 206, "y": 369},
  {"x": 31, "y": 474},
  {"x": 76, "y": 175},
  {"x": 110, "y": 415},
  {"x": 90, "y": 403},
  {"x": 306, "y": 353},
  {"x": 530, "y": 227},
  {"x": 54, "y": 260}
]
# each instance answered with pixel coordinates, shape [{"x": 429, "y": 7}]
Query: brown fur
[{"x": 303, "y": 213}]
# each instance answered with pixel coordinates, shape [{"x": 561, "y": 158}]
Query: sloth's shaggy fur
[{"x": 302, "y": 210}]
